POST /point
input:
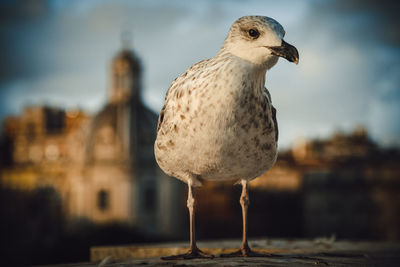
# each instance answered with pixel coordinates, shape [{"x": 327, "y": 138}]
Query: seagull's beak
[{"x": 286, "y": 51}]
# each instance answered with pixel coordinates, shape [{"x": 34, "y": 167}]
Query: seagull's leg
[
  {"x": 194, "y": 252},
  {"x": 244, "y": 202},
  {"x": 244, "y": 250}
]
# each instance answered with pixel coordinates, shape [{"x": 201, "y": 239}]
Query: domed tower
[
  {"x": 125, "y": 77},
  {"x": 122, "y": 179},
  {"x": 124, "y": 99}
]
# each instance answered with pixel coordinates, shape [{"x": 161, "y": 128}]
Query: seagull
[{"x": 218, "y": 122}]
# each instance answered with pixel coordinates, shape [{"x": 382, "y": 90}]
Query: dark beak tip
[
  {"x": 293, "y": 59},
  {"x": 286, "y": 51},
  {"x": 295, "y": 54}
]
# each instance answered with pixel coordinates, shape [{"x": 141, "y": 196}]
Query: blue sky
[{"x": 58, "y": 53}]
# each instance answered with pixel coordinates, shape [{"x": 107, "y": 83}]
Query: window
[
  {"x": 103, "y": 200},
  {"x": 149, "y": 199},
  {"x": 54, "y": 120},
  {"x": 30, "y": 131}
]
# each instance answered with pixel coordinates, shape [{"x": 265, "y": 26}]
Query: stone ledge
[{"x": 319, "y": 251}]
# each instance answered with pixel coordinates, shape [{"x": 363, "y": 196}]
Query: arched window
[
  {"x": 103, "y": 200},
  {"x": 150, "y": 199}
]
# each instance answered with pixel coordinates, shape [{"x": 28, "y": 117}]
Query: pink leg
[
  {"x": 244, "y": 250},
  {"x": 194, "y": 252}
]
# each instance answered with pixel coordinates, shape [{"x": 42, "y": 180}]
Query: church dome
[
  {"x": 125, "y": 61},
  {"x": 125, "y": 77}
]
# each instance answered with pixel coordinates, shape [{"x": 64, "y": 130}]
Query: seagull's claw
[
  {"x": 191, "y": 254},
  {"x": 247, "y": 252}
]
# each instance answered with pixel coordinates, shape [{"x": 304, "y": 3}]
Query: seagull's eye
[{"x": 254, "y": 33}]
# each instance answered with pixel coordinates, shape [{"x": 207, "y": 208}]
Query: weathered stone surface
[{"x": 319, "y": 252}]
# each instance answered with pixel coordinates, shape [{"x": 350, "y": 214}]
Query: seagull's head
[{"x": 259, "y": 40}]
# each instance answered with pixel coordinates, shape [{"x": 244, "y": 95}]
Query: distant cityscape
[
  {"x": 101, "y": 166},
  {"x": 346, "y": 186}
]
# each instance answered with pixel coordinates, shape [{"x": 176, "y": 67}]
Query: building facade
[{"x": 102, "y": 165}]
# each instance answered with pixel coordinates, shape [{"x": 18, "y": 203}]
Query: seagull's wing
[
  {"x": 161, "y": 118},
  {"x": 275, "y": 122},
  {"x": 273, "y": 112},
  {"x": 175, "y": 90}
]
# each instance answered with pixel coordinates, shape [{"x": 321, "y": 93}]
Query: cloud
[
  {"x": 371, "y": 27},
  {"x": 367, "y": 20}
]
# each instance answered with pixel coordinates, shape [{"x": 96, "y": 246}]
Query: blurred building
[
  {"x": 102, "y": 166},
  {"x": 350, "y": 186},
  {"x": 345, "y": 185}
]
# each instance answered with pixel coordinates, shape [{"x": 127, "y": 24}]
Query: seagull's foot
[
  {"x": 191, "y": 254},
  {"x": 245, "y": 251}
]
